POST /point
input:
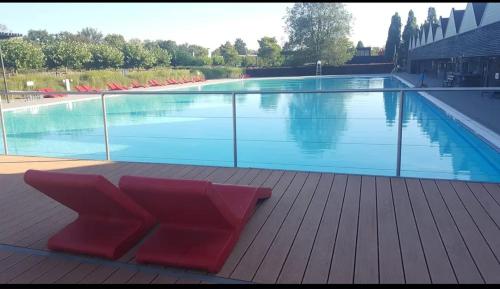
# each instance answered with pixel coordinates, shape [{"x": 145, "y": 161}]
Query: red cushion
[
  {"x": 200, "y": 222},
  {"x": 109, "y": 222}
]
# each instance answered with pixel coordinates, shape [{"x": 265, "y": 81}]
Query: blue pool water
[{"x": 342, "y": 132}]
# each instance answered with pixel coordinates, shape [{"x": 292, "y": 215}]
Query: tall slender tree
[
  {"x": 393, "y": 37},
  {"x": 409, "y": 31},
  {"x": 431, "y": 16}
]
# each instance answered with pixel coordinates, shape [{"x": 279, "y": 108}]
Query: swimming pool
[{"x": 342, "y": 132}]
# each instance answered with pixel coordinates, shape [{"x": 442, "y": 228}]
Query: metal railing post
[
  {"x": 235, "y": 146},
  {"x": 4, "y": 133},
  {"x": 400, "y": 132},
  {"x": 105, "y": 120}
]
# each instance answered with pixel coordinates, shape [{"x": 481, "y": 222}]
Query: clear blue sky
[{"x": 206, "y": 24}]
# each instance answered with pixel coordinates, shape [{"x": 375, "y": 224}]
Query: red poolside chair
[
  {"x": 172, "y": 81},
  {"x": 136, "y": 84},
  {"x": 109, "y": 223},
  {"x": 121, "y": 87},
  {"x": 113, "y": 86},
  {"x": 200, "y": 222},
  {"x": 50, "y": 95},
  {"x": 80, "y": 88},
  {"x": 92, "y": 89}
]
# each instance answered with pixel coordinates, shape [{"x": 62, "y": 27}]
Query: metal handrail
[{"x": 103, "y": 94}]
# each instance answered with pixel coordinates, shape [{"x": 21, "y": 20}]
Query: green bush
[{"x": 99, "y": 78}]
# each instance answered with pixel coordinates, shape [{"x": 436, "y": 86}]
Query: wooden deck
[{"x": 316, "y": 228}]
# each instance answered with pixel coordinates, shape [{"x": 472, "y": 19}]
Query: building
[
  {"x": 465, "y": 45},
  {"x": 363, "y": 51}
]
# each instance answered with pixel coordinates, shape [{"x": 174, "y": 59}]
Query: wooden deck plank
[
  {"x": 390, "y": 259},
  {"x": 440, "y": 269},
  {"x": 487, "y": 201},
  {"x": 142, "y": 278},
  {"x": 318, "y": 266},
  {"x": 120, "y": 276},
  {"x": 484, "y": 258},
  {"x": 343, "y": 260},
  {"x": 482, "y": 219},
  {"x": 164, "y": 279},
  {"x": 256, "y": 252},
  {"x": 57, "y": 272},
  {"x": 296, "y": 261},
  {"x": 36, "y": 271},
  {"x": 279, "y": 182},
  {"x": 366, "y": 270},
  {"x": 19, "y": 268},
  {"x": 465, "y": 269},
  {"x": 275, "y": 257},
  {"x": 99, "y": 275},
  {"x": 300, "y": 234},
  {"x": 494, "y": 191},
  {"x": 77, "y": 274}
]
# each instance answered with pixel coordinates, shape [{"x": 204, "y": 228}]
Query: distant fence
[{"x": 374, "y": 68}]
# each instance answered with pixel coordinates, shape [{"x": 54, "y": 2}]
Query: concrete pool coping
[
  {"x": 22, "y": 104},
  {"x": 481, "y": 131}
]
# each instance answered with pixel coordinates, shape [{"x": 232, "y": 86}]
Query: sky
[{"x": 205, "y": 24}]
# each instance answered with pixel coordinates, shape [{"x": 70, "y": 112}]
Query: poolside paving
[
  {"x": 482, "y": 107},
  {"x": 316, "y": 228}
]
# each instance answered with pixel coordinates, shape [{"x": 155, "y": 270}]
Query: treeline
[
  {"x": 90, "y": 49},
  {"x": 316, "y": 31}
]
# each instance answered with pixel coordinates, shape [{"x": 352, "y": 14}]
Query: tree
[
  {"x": 68, "y": 54},
  {"x": 393, "y": 37},
  {"x": 217, "y": 60},
  {"x": 269, "y": 52},
  {"x": 431, "y": 16},
  {"x": 90, "y": 35},
  {"x": 360, "y": 44},
  {"x": 162, "y": 57},
  {"x": 240, "y": 46},
  {"x": 39, "y": 36},
  {"x": 115, "y": 40},
  {"x": 314, "y": 29},
  {"x": 3, "y": 28},
  {"x": 105, "y": 56},
  {"x": 136, "y": 56},
  {"x": 20, "y": 54},
  {"x": 409, "y": 32},
  {"x": 229, "y": 53},
  {"x": 249, "y": 60}
]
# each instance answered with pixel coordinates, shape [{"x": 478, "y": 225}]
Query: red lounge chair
[
  {"x": 200, "y": 222},
  {"x": 80, "y": 88},
  {"x": 154, "y": 82},
  {"x": 113, "y": 86},
  {"x": 172, "y": 81},
  {"x": 109, "y": 222},
  {"x": 93, "y": 89},
  {"x": 136, "y": 84},
  {"x": 121, "y": 87},
  {"x": 51, "y": 95}
]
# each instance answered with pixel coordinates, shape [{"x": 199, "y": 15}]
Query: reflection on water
[
  {"x": 316, "y": 120},
  {"x": 342, "y": 132}
]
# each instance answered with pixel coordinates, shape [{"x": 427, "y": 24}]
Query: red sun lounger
[
  {"x": 109, "y": 223},
  {"x": 200, "y": 222},
  {"x": 92, "y": 89},
  {"x": 136, "y": 84}
]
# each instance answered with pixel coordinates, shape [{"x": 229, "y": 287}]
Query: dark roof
[
  {"x": 478, "y": 8},
  {"x": 458, "y": 15},
  {"x": 434, "y": 28},
  {"x": 444, "y": 23},
  {"x": 426, "y": 30},
  {"x": 6, "y": 35}
]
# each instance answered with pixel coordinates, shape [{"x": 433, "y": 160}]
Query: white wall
[
  {"x": 439, "y": 31},
  {"x": 469, "y": 20},
  {"x": 450, "y": 29},
  {"x": 491, "y": 14}
]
